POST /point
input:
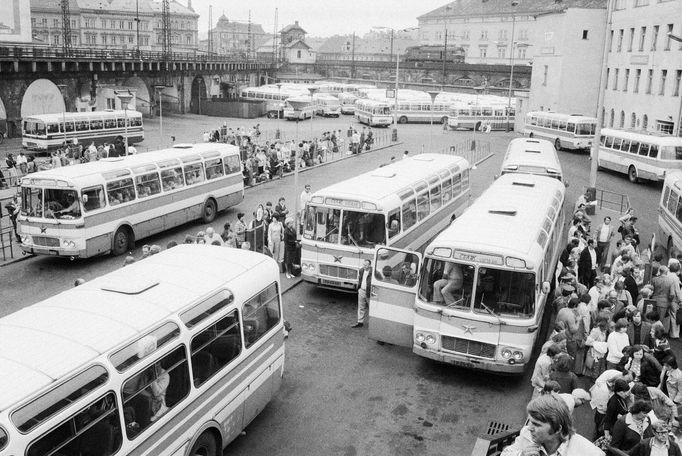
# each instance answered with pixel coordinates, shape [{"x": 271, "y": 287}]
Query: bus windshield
[
  {"x": 360, "y": 229},
  {"x": 34, "y": 127},
  {"x": 505, "y": 293},
  {"x": 58, "y": 203},
  {"x": 586, "y": 129}
]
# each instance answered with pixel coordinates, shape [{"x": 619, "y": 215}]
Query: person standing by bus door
[{"x": 364, "y": 289}]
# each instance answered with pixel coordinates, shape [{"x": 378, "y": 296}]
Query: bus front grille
[
  {"x": 469, "y": 347},
  {"x": 46, "y": 241},
  {"x": 337, "y": 271}
]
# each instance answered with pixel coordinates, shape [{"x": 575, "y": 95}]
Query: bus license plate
[{"x": 329, "y": 282}]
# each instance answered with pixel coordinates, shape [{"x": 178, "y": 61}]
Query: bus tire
[
  {"x": 122, "y": 242},
  {"x": 208, "y": 214},
  {"x": 477, "y": 126},
  {"x": 530, "y": 135},
  {"x": 402, "y": 120},
  {"x": 205, "y": 445},
  {"x": 557, "y": 144},
  {"x": 272, "y": 114},
  {"x": 632, "y": 174}
]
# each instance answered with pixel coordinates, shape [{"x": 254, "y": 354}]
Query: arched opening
[
  {"x": 645, "y": 122},
  {"x": 198, "y": 94},
  {"x": 42, "y": 96},
  {"x": 633, "y": 120},
  {"x": 612, "y": 118},
  {"x": 143, "y": 101},
  {"x": 621, "y": 124},
  {"x": 263, "y": 80}
]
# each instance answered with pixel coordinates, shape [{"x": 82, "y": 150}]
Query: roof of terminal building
[
  {"x": 291, "y": 27},
  {"x": 143, "y": 6},
  {"x": 226, "y": 25},
  {"x": 504, "y": 7},
  {"x": 375, "y": 44}
]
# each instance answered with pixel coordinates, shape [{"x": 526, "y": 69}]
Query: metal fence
[
  {"x": 474, "y": 150},
  {"x": 496, "y": 438},
  {"x": 611, "y": 201}
]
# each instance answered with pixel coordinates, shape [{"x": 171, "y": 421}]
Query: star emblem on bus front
[
  {"x": 337, "y": 259},
  {"x": 469, "y": 329},
  {"x": 43, "y": 229}
]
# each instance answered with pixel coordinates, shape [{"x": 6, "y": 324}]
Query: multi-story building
[
  {"x": 484, "y": 28},
  {"x": 373, "y": 47},
  {"x": 234, "y": 37},
  {"x": 644, "y": 66},
  {"x": 292, "y": 47},
  {"x": 115, "y": 24}
]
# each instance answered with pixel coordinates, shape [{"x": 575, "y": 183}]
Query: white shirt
[
  {"x": 593, "y": 257},
  {"x": 365, "y": 276},
  {"x": 304, "y": 199},
  {"x": 21, "y": 159},
  {"x": 604, "y": 233}
]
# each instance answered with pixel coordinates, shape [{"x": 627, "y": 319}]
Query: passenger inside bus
[
  {"x": 73, "y": 208},
  {"x": 393, "y": 227},
  {"x": 363, "y": 229},
  {"x": 441, "y": 283},
  {"x": 62, "y": 204},
  {"x": 444, "y": 290}
]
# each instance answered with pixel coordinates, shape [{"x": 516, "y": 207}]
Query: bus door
[{"x": 394, "y": 287}]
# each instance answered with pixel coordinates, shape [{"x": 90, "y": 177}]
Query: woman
[
  {"x": 630, "y": 429},
  {"x": 255, "y": 235},
  {"x": 240, "y": 230},
  {"x": 616, "y": 342},
  {"x": 622, "y": 295},
  {"x": 290, "y": 247},
  {"x": 618, "y": 405},
  {"x": 12, "y": 176},
  {"x": 275, "y": 238},
  {"x": 561, "y": 373},
  {"x": 644, "y": 369},
  {"x": 595, "y": 359},
  {"x": 671, "y": 380}
]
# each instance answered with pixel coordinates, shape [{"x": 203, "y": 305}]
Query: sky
[{"x": 319, "y": 18}]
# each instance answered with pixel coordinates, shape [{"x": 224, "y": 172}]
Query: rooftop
[{"x": 468, "y": 8}]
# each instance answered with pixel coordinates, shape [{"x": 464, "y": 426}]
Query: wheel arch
[
  {"x": 211, "y": 427},
  {"x": 129, "y": 226}
]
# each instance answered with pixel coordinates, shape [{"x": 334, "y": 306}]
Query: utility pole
[
  {"x": 66, "y": 27},
  {"x": 166, "y": 42},
  {"x": 137, "y": 25},
  {"x": 392, "y": 33},
  {"x": 352, "y": 61},
  {"x": 274, "y": 43},
  {"x": 250, "y": 40}
]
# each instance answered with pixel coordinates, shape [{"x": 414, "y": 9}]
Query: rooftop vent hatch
[{"x": 130, "y": 286}]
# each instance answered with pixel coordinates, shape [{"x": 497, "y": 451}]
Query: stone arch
[
  {"x": 143, "y": 98},
  {"x": 197, "y": 94},
  {"x": 42, "y": 96}
]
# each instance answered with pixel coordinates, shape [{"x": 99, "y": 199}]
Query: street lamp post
[
  {"x": 159, "y": 89},
  {"x": 433, "y": 94},
  {"x": 445, "y": 43},
  {"x": 514, "y": 3},
  {"x": 125, "y": 98},
  {"x": 312, "y": 91},
  {"x": 298, "y": 107},
  {"x": 62, "y": 88},
  {"x": 137, "y": 21},
  {"x": 279, "y": 104}
]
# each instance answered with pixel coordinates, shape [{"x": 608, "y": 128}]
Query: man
[
  {"x": 22, "y": 163},
  {"x": 302, "y": 201},
  {"x": 364, "y": 289},
  {"x": 550, "y": 432},
  {"x": 604, "y": 235},
  {"x": 587, "y": 264},
  {"x": 639, "y": 332},
  {"x": 211, "y": 236},
  {"x": 363, "y": 135},
  {"x": 355, "y": 141},
  {"x": 662, "y": 442},
  {"x": 12, "y": 209},
  {"x": 666, "y": 292}
]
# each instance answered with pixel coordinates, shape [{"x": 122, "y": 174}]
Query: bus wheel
[
  {"x": 204, "y": 446},
  {"x": 530, "y": 135},
  {"x": 632, "y": 174},
  {"x": 557, "y": 144},
  {"x": 272, "y": 115},
  {"x": 477, "y": 127},
  {"x": 122, "y": 241},
  {"x": 402, "y": 120},
  {"x": 209, "y": 212}
]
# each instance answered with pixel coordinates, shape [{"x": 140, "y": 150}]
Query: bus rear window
[{"x": 40, "y": 409}]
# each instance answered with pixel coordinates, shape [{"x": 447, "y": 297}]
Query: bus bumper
[
  {"x": 332, "y": 283},
  {"x": 470, "y": 363},
  {"x": 52, "y": 251}
]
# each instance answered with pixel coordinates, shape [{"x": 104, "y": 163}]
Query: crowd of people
[{"x": 616, "y": 310}]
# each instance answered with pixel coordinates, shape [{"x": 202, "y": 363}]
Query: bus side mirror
[{"x": 545, "y": 287}]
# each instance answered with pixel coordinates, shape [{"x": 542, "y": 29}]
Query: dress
[{"x": 275, "y": 240}]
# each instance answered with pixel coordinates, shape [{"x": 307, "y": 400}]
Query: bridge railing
[{"x": 33, "y": 52}]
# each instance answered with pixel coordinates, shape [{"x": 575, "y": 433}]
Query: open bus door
[{"x": 394, "y": 287}]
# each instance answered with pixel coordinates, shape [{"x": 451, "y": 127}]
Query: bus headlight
[
  {"x": 506, "y": 353},
  {"x": 425, "y": 338},
  {"x": 513, "y": 355},
  {"x": 26, "y": 239},
  {"x": 308, "y": 267},
  {"x": 68, "y": 244}
]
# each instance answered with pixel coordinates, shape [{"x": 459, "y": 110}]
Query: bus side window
[
  {"x": 215, "y": 347},
  {"x": 634, "y": 147},
  {"x": 570, "y": 128},
  {"x": 608, "y": 142},
  {"x": 644, "y": 149},
  {"x": 120, "y": 191},
  {"x": 94, "y": 430},
  {"x": 397, "y": 268},
  {"x": 214, "y": 169},
  {"x": 666, "y": 194},
  {"x": 260, "y": 313},
  {"x": 435, "y": 197},
  {"x": 172, "y": 179},
  {"x": 465, "y": 180},
  {"x": 121, "y": 122},
  {"x": 147, "y": 185},
  {"x": 149, "y": 394},
  {"x": 52, "y": 128},
  {"x": 393, "y": 223},
  {"x": 194, "y": 173},
  {"x": 423, "y": 205},
  {"x": 653, "y": 151},
  {"x": 678, "y": 213},
  {"x": 672, "y": 202},
  {"x": 93, "y": 198}
]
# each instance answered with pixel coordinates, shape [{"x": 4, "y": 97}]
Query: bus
[
  {"x": 565, "y": 131},
  {"x": 305, "y": 108},
  {"x": 404, "y": 204},
  {"x": 374, "y": 113},
  {"x": 640, "y": 155},
  {"x": 415, "y": 106},
  {"x": 670, "y": 214},
  {"x": 99, "y": 207},
  {"x": 347, "y": 101},
  {"x": 473, "y": 117},
  {"x": 326, "y": 105},
  {"x": 532, "y": 156},
  {"x": 43, "y": 132},
  {"x": 137, "y": 362},
  {"x": 484, "y": 283},
  {"x": 273, "y": 97}
]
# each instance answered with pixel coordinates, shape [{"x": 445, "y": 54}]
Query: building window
[
  {"x": 603, "y": 117},
  {"x": 642, "y": 38},
  {"x": 523, "y": 34},
  {"x": 632, "y": 39},
  {"x": 121, "y": 25},
  {"x": 664, "y": 76},
  {"x": 584, "y": 34},
  {"x": 73, "y": 23},
  {"x": 627, "y": 80},
  {"x": 56, "y": 39},
  {"x": 621, "y": 124},
  {"x": 667, "y": 37},
  {"x": 483, "y": 51},
  {"x": 501, "y": 51},
  {"x": 104, "y": 42},
  {"x": 298, "y": 54},
  {"x": 130, "y": 25},
  {"x": 484, "y": 35},
  {"x": 612, "y": 118},
  {"x": 615, "y": 78},
  {"x": 645, "y": 122},
  {"x": 465, "y": 35},
  {"x": 654, "y": 38},
  {"x": 521, "y": 52},
  {"x": 620, "y": 40},
  {"x": 664, "y": 127},
  {"x": 544, "y": 75},
  {"x": 55, "y": 23},
  {"x": 611, "y": 41},
  {"x": 606, "y": 82},
  {"x": 649, "y": 81},
  {"x": 633, "y": 120},
  {"x": 503, "y": 35},
  {"x": 638, "y": 76},
  {"x": 130, "y": 39},
  {"x": 641, "y": 2},
  {"x": 33, "y": 22},
  {"x": 678, "y": 77}
]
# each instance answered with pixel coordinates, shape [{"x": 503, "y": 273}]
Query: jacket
[
  {"x": 643, "y": 448},
  {"x": 644, "y": 333},
  {"x": 369, "y": 281},
  {"x": 585, "y": 262},
  {"x": 576, "y": 445}
]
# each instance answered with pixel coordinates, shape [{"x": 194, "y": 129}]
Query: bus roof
[
  {"x": 562, "y": 117},
  {"x": 504, "y": 219},
  {"x": 59, "y": 116},
  {"x": 47, "y": 341},
  {"x": 389, "y": 180},
  {"x": 531, "y": 152},
  {"x": 674, "y": 179},
  {"x": 132, "y": 161},
  {"x": 651, "y": 137}
]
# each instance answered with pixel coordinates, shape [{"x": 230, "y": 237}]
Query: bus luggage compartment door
[{"x": 394, "y": 287}]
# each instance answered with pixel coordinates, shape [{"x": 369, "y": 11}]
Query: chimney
[{"x": 189, "y": 5}]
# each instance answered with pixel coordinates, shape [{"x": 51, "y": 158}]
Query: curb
[
  {"x": 292, "y": 286},
  {"x": 346, "y": 157}
]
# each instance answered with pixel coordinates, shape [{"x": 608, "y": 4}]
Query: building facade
[
  {"x": 234, "y": 37},
  {"x": 115, "y": 24},
  {"x": 644, "y": 66},
  {"x": 567, "y": 62},
  {"x": 292, "y": 45},
  {"x": 492, "y": 31}
]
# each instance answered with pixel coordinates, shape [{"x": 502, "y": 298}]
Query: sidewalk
[{"x": 13, "y": 253}]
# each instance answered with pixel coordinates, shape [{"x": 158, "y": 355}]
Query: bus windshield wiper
[{"x": 491, "y": 312}]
